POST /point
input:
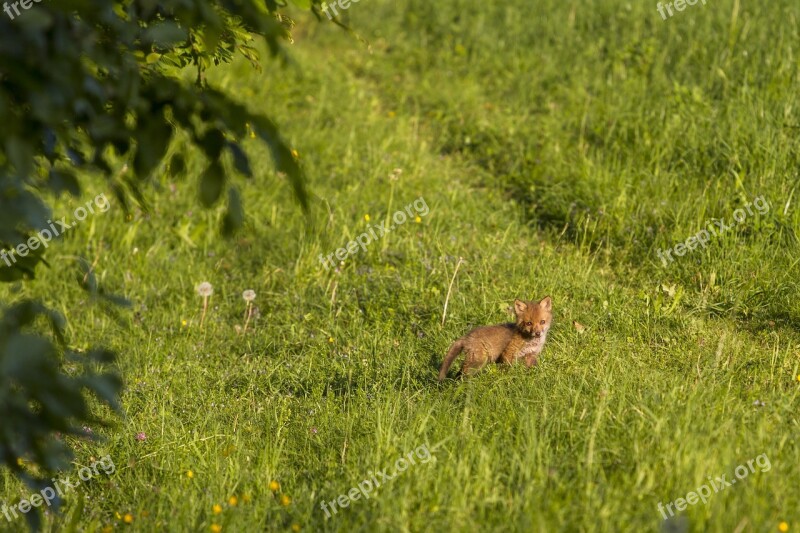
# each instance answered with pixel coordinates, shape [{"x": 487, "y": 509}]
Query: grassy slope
[{"x": 557, "y": 146}]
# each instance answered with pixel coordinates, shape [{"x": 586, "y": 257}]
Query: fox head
[{"x": 534, "y": 318}]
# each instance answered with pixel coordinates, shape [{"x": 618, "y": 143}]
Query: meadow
[{"x": 558, "y": 147}]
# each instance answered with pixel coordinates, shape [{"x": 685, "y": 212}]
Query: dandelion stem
[
  {"x": 249, "y": 312},
  {"x": 205, "y": 308}
]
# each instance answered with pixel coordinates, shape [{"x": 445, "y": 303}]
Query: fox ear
[
  {"x": 520, "y": 306},
  {"x": 547, "y": 303}
]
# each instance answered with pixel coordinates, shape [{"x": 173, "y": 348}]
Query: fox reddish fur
[{"x": 504, "y": 343}]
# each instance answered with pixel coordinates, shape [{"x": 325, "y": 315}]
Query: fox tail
[{"x": 452, "y": 353}]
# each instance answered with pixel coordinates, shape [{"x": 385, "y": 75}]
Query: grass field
[{"x": 557, "y": 147}]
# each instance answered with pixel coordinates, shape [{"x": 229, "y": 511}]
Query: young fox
[{"x": 506, "y": 342}]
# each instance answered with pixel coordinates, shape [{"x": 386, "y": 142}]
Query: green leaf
[
  {"x": 36, "y": 20},
  {"x": 106, "y": 387},
  {"x": 34, "y": 519},
  {"x": 20, "y": 153},
  {"x": 164, "y": 34},
  {"x": 177, "y": 164},
  {"x": 14, "y": 267},
  {"x": 102, "y": 356},
  {"x": 234, "y": 216},
  {"x": 212, "y": 143},
  {"x": 61, "y": 181},
  {"x": 153, "y": 135},
  {"x": 77, "y": 513},
  {"x": 211, "y": 36},
  {"x": 282, "y": 155},
  {"x": 212, "y": 183},
  {"x": 240, "y": 160},
  {"x": 85, "y": 276}
]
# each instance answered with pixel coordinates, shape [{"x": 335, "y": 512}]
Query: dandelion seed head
[{"x": 205, "y": 289}]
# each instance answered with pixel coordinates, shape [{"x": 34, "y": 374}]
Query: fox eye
[
  {"x": 542, "y": 322},
  {"x": 527, "y": 323}
]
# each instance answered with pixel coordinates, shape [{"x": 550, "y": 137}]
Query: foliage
[
  {"x": 37, "y": 398},
  {"x": 91, "y": 88}
]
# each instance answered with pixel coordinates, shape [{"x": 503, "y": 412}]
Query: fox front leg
[{"x": 531, "y": 360}]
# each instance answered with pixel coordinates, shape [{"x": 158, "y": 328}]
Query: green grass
[{"x": 558, "y": 145}]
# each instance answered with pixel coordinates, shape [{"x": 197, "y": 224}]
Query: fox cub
[{"x": 505, "y": 342}]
